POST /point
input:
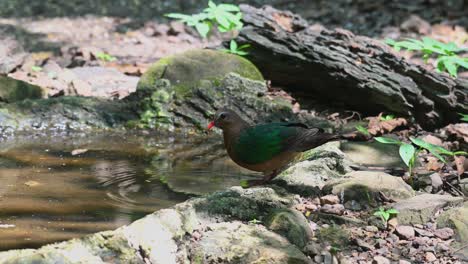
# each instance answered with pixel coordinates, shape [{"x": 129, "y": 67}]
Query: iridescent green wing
[{"x": 263, "y": 142}]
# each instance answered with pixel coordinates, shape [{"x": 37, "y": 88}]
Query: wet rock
[
  {"x": 236, "y": 242},
  {"x": 12, "y": 90},
  {"x": 366, "y": 187},
  {"x": 244, "y": 204},
  {"x": 405, "y": 232},
  {"x": 64, "y": 114},
  {"x": 337, "y": 209},
  {"x": 420, "y": 209},
  {"x": 317, "y": 167},
  {"x": 290, "y": 224},
  {"x": 329, "y": 199},
  {"x": 444, "y": 233}
]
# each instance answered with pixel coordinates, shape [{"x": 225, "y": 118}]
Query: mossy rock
[
  {"x": 12, "y": 90},
  {"x": 291, "y": 224},
  {"x": 174, "y": 107},
  {"x": 336, "y": 236},
  {"x": 235, "y": 242},
  {"x": 189, "y": 68}
]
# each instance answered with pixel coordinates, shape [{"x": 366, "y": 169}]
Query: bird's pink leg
[{"x": 266, "y": 178}]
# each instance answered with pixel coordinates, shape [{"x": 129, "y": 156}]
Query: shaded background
[{"x": 360, "y": 16}]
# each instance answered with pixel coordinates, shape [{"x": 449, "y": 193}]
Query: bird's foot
[{"x": 267, "y": 178}]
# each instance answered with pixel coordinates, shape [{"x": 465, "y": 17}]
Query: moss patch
[{"x": 187, "y": 69}]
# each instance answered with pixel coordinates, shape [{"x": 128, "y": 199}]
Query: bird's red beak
[{"x": 211, "y": 125}]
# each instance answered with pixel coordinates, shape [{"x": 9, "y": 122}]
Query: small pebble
[
  {"x": 329, "y": 199},
  {"x": 405, "y": 232},
  {"x": 337, "y": 209},
  {"x": 371, "y": 229},
  {"x": 381, "y": 260},
  {"x": 430, "y": 257}
]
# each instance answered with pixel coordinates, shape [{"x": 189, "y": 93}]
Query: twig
[
  {"x": 466, "y": 245},
  {"x": 458, "y": 191}
]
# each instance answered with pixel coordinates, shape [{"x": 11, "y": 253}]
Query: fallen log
[{"x": 357, "y": 72}]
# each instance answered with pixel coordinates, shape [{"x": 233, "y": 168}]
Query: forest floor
[{"x": 43, "y": 51}]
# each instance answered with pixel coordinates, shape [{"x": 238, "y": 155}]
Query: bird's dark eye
[{"x": 222, "y": 116}]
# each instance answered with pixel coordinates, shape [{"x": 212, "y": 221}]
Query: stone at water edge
[
  {"x": 316, "y": 167},
  {"x": 185, "y": 90},
  {"x": 420, "y": 209},
  {"x": 12, "y": 90},
  {"x": 234, "y": 242},
  {"x": 365, "y": 187}
]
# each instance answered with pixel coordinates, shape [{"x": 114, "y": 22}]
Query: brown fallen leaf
[
  {"x": 460, "y": 131},
  {"x": 433, "y": 164},
  {"x": 377, "y": 126}
]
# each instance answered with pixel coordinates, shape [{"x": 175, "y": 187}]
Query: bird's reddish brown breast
[{"x": 277, "y": 162}]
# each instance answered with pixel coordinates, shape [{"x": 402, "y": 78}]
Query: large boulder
[
  {"x": 185, "y": 90},
  {"x": 316, "y": 168},
  {"x": 186, "y": 69},
  {"x": 239, "y": 243},
  {"x": 366, "y": 187},
  {"x": 180, "y": 105}
]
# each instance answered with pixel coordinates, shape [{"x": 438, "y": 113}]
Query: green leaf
[
  {"x": 203, "y": 29},
  {"x": 36, "y": 68},
  {"x": 433, "y": 149},
  {"x": 386, "y": 140},
  {"x": 233, "y": 45},
  {"x": 362, "y": 130},
  {"x": 387, "y": 117},
  {"x": 229, "y": 7},
  {"x": 407, "y": 152},
  {"x": 245, "y": 46},
  {"x": 241, "y": 53},
  {"x": 464, "y": 117},
  {"x": 393, "y": 211},
  {"x": 178, "y": 16}
]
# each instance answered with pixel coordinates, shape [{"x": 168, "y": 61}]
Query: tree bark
[{"x": 354, "y": 71}]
